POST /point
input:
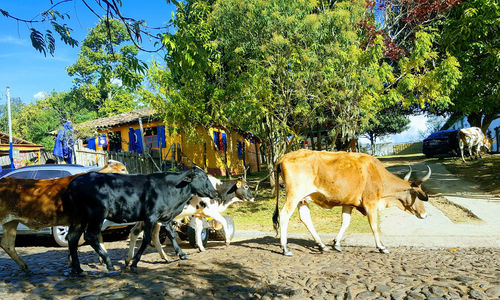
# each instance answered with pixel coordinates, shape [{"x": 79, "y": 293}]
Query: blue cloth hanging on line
[
  {"x": 65, "y": 141},
  {"x": 91, "y": 144},
  {"x": 161, "y": 136},
  {"x": 132, "y": 140},
  {"x": 138, "y": 145}
]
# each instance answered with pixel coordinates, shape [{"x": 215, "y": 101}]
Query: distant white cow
[{"x": 474, "y": 139}]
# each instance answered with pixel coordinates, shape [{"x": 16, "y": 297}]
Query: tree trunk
[
  {"x": 273, "y": 145},
  {"x": 372, "y": 143},
  {"x": 475, "y": 119},
  {"x": 319, "y": 140},
  {"x": 487, "y": 121}
]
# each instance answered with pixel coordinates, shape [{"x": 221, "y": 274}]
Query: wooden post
[
  {"x": 142, "y": 135},
  {"x": 205, "y": 156},
  {"x": 174, "y": 149},
  {"x": 243, "y": 150}
]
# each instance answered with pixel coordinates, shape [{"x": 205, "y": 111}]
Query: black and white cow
[
  {"x": 121, "y": 198},
  {"x": 229, "y": 192}
]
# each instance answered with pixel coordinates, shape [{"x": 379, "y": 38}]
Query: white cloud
[
  {"x": 7, "y": 39},
  {"x": 40, "y": 95}
]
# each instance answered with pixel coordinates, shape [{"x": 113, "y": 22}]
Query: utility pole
[{"x": 11, "y": 150}]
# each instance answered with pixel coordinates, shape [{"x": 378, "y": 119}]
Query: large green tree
[
  {"x": 276, "y": 68},
  {"x": 106, "y": 54},
  {"x": 16, "y": 105},
  {"x": 391, "y": 120},
  {"x": 35, "y": 121},
  {"x": 471, "y": 34}
]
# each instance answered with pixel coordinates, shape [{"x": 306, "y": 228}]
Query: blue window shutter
[
  {"x": 240, "y": 150},
  {"x": 139, "y": 141},
  {"x": 161, "y": 136},
  {"x": 224, "y": 141},
  {"x": 216, "y": 138}
]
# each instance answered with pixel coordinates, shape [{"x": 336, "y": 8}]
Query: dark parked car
[
  {"x": 441, "y": 142},
  {"x": 52, "y": 171}
]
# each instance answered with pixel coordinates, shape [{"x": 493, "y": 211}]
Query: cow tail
[{"x": 276, "y": 214}]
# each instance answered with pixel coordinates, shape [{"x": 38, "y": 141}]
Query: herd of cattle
[{"x": 83, "y": 201}]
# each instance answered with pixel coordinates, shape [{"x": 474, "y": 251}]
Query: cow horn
[
  {"x": 407, "y": 176},
  {"x": 427, "y": 175}
]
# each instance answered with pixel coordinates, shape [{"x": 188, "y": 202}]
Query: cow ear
[{"x": 187, "y": 177}]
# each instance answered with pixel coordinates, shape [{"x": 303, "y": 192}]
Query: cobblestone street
[{"x": 255, "y": 269}]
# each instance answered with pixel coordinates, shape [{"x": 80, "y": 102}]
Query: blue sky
[{"x": 28, "y": 72}]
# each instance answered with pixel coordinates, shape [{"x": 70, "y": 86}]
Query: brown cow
[
  {"x": 342, "y": 179},
  {"x": 36, "y": 203}
]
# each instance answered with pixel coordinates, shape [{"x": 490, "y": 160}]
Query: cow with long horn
[{"x": 351, "y": 180}]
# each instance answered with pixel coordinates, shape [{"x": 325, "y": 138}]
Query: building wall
[{"x": 194, "y": 150}]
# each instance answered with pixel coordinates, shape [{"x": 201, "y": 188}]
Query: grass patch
[
  {"x": 257, "y": 216},
  {"x": 485, "y": 171}
]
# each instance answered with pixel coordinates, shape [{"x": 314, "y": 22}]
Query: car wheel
[
  {"x": 191, "y": 234},
  {"x": 60, "y": 234},
  {"x": 220, "y": 235}
]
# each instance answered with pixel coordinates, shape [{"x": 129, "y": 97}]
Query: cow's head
[
  {"x": 199, "y": 182},
  {"x": 487, "y": 143},
  {"x": 241, "y": 190},
  {"x": 114, "y": 166},
  {"x": 411, "y": 200}
]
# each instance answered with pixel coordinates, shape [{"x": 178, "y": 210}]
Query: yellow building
[{"x": 123, "y": 133}]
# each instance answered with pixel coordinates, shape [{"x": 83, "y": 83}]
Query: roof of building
[
  {"x": 4, "y": 139},
  {"x": 120, "y": 119},
  {"x": 147, "y": 114}
]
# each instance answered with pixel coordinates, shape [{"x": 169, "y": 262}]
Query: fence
[
  {"x": 139, "y": 163},
  {"x": 411, "y": 148},
  {"x": 89, "y": 157},
  {"x": 381, "y": 149}
]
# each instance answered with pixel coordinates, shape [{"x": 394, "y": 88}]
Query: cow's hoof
[
  {"x": 227, "y": 243},
  {"x": 183, "y": 256},
  {"x": 287, "y": 253},
  {"x": 133, "y": 269},
  {"x": 337, "y": 248},
  {"x": 127, "y": 261},
  {"x": 202, "y": 249},
  {"x": 383, "y": 250},
  {"x": 324, "y": 248}
]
